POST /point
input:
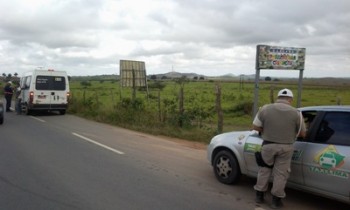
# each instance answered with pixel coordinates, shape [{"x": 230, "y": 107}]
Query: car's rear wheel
[{"x": 226, "y": 167}]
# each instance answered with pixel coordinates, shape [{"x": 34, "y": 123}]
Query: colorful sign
[{"x": 273, "y": 57}]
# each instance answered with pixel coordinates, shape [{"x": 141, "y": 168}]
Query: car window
[
  {"x": 309, "y": 117},
  {"x": 334, "y": 129}
]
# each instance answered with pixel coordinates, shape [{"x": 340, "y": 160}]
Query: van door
[
  {"x": 51, "y": 90},
  {"x": 25, "y": 88}
]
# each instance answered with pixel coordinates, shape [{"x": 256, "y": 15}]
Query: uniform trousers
[
  {"x": 8, "y": 98},
  {"x": 280, "y": 156}
]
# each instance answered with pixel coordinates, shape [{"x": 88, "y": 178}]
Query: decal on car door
[
  {"x": 248, "y": 147},
  {"x": 330, "y": 161}
]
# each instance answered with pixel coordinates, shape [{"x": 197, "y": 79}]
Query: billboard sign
[
  {"x": 273, "y": 57},
  {"x": 132, "y": 73}
]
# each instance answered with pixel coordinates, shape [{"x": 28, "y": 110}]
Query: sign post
[
  {"x": 274, "y": 57},
  {"x": 133, "y": 74}
]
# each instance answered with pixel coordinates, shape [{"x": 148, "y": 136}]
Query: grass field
[{"x": 158, "y": 111}]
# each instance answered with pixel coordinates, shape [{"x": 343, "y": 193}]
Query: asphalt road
[{"x": 49, "y": 161}]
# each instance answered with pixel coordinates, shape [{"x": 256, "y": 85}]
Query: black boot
[
  {"x": 259, "y": 197},
  {"x": 276, "y": 202}
]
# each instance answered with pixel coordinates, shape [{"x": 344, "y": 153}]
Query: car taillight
[
  {"x": 68, "y": 96},
  {"x": 31, "y": 96}
]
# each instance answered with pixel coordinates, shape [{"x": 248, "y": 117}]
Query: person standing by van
[
  {"x": 18, "y": 106},
  {"x": 8, "y": 91}
]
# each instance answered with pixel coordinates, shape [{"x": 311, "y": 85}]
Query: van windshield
[{"x": 50, "y": 83}]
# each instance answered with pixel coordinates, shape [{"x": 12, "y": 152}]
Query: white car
[{"x": 320, "y": 163}]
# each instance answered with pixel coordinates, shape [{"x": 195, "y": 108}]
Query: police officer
[
  {"x": 8, "y": 91},
  {"x": 279, "y": 124}
]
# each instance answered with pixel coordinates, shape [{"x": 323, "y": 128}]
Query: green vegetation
[{"x": 162, "y": 112}]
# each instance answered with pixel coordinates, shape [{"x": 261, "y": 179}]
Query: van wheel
[
  {"x": 1, "y": 120},
  {"x": 62, "y": 112}
]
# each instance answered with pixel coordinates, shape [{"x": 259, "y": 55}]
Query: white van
[{"x": 45, "y": 90}]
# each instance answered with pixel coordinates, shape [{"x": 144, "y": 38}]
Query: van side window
[
  {"x": 334, "y": 129},
  {"x": 50, "y": 83}
]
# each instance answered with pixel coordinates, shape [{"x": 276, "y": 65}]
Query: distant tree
[
  {"x": 164, "y": 77},
  {"x": 181, "y": 81},
  {"x": 157, "y": 85},
  {"x": 15, "y": 74},
  {"x": 9, "y": 76},
  {"x": 195, "y": 78},
  {"x": 153, "y": 77},
  {"x": 201, "y": 78},
  {"x": 268, "y": 79}
]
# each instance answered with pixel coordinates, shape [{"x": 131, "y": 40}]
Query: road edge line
[{"x": 98, "y": 144}]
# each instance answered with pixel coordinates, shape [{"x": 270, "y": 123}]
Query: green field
[{"x": 158, "y": 112}]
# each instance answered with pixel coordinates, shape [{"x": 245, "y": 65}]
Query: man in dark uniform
[{"x": 8, "y": 91}]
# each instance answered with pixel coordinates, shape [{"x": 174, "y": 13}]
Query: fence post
[
  {"x": 97, "y": 102},
  {"x": 272, "y": 100},
  {"x": 219, "y": 109},
  {"x": 159, "y": 110},
  {"x": 181, "y": 106},
  {"x": 84, "y": 94}
]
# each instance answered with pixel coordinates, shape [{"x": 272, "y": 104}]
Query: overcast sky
[{"x": 208, "y": 37}]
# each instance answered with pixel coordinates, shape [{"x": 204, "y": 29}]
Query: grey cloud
[
  {"x": 53, "y": 26},
  {"x": 160, "y": 18},
  {"x": 66, "y": 32}
]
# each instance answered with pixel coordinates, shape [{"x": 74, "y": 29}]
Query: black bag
[{"x": 259, "y": 160}]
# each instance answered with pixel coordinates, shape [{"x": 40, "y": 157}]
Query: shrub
[{"x": 243, "y": 108}]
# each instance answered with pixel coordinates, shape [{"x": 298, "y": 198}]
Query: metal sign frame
[
  {"x": 277, "y": 58},
  {"x": 133, "y": 74}
]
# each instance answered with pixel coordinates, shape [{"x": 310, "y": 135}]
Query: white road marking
[
  {"x": 99, "y": 144},
  {"x": 38, "y": 119}
]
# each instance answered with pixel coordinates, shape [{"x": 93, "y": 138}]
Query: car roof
[{"x": 326, "y": 108}]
